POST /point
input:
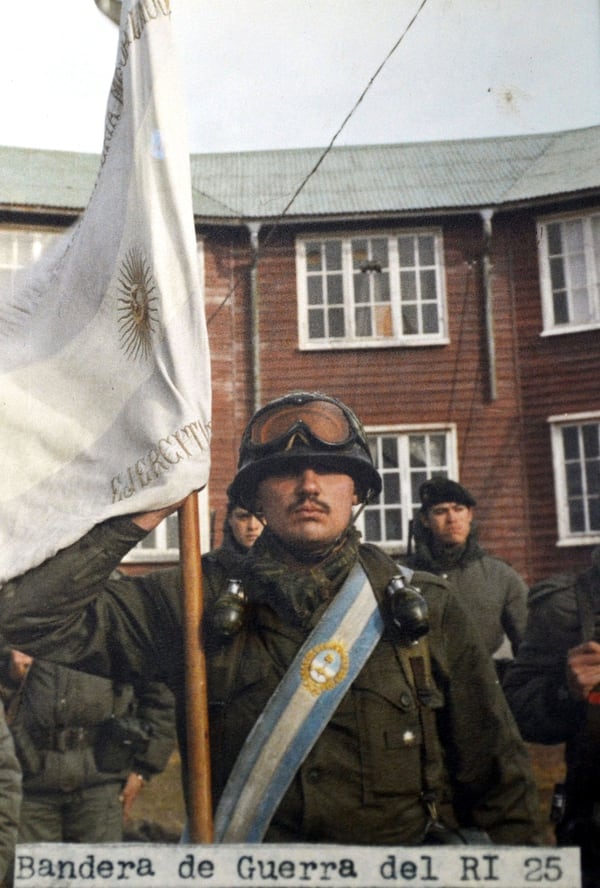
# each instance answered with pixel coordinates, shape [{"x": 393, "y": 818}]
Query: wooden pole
[{"x": 200, "y": 821}]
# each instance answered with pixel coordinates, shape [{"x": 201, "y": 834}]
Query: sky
[{"x": 262, "y": 74}]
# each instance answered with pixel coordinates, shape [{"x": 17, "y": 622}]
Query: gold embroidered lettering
[{"x": 160, "y": 458}]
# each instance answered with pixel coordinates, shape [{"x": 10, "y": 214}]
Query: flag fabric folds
[{"x": 104, "y": 360}]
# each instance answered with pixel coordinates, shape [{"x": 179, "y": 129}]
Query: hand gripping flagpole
[{"x": 199, "y": 797}]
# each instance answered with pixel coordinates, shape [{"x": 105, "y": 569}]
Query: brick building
[{"x": 448, "y": 291}]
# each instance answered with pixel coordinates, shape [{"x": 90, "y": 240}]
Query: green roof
[{"x": 458, "y": 175}]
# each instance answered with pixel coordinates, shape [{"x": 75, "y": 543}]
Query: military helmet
[{"x": 303, "y": 426}]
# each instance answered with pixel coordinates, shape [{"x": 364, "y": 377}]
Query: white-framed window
[
  {"x": 576, "y": 458},
  {"x": 570, "y": 272},
  {"x": 20, "y": 247},
  {"x": 405, "y": 456},
  {"x": 371, "y": 290}
]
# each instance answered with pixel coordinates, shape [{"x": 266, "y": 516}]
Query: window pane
[
  {"x": 428, "y": 289},
  {"x": 570, "y": 436},
  {"x": 406, "y": 252},
  {"x": 336, "y": 322},
  {"x": 383, "y": 287},
  {"x": 383, "y": 321},
  {"x": 437, "y": 451},
  {"x": 592, "y": 477},
  {"x": 573, "y": 235},
  {"x": 363, "y": 322},
  {"x": 379, "y": 250},
  {"x": 560, "y": 308},
  {"x": 315, "y": 290},
  {"x": 576, "y": 516},
  {"x": 557, "y": 274},
  {"x": 360, "y": 252},
  {"x": 430, "y": 319},
  {"x": 590, "y": 440},
  {"x": 426, "y": 250},
  {"x": 391, "y": 488},
  {"x": 416, "y": 479},
  {"x": 313, "y": 257},
  {"x": 410, "y": 325},
  {"x": 554, "y": 238},
  {"x": 408, "y": 286},
  {"x": 393, "y": 524},
  {"x": 578, "y": 272},
  {"x": 595, "y": 514},
  {"x": 172, "y": 532},
  {"x": 373, "y": 525},
  {"x": 335, "y": 289},
  {"x": 574, "y": 479},
  {"x": 418, "y": 453},
  {"x": 333, "y": 254},
  {"x": 316, "y": 325},
  {"x": 580, "y": 313},
  {"x": 361, "y": 287},
  {"x": 389, "y": 452}
]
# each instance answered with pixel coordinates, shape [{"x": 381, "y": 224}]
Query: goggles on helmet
[
  {"x": 316, "y": 421},
  {"x": 303, "y": 425}
]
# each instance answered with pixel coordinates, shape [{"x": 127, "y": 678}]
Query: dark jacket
[
  {"x": 10, "y": 796},
  {"x": 362, "y": 780},
  {"x": 63, "y": 728},
  {"x": 535, "y": 684},
  {"x": 490, "y": 589},
  {"x": 564, "y": 611}
]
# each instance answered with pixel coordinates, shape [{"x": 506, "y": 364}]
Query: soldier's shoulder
[
  {"x": 426, "y": 579},
  {"x": 373, "y": 554},
  {"x": 549, "y": 589}
]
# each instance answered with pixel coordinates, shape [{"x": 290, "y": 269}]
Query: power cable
[{"x": 325, "y": 152}]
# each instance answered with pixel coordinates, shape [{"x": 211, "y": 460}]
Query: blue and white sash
[{"x": 299, "y": 709}]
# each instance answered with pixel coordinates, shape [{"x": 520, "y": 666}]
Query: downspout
[
  {"x": 486, "y": 216},
  {"x": 254, "y": 228}
]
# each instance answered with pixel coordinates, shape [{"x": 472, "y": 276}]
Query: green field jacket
[{"x": 362, "y": 781}]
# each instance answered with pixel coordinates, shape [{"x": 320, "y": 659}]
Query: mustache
[{"x": 304, "y": 498}]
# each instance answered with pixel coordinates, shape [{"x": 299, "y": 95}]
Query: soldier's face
[
  {"x": 245, "y": 526},
  {"x": 307, "y": 507},
  {"x": 450, "y": 523}
]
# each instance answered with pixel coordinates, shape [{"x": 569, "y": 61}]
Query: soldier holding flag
[{"x": 349, "y": 699}]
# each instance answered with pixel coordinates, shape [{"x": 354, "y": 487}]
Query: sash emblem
[{"x": 324, "y": 666}]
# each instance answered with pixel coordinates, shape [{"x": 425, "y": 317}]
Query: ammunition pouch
[{"x": 119, "y": 741}]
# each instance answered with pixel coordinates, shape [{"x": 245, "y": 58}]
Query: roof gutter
[{"x": 486, "y": 216}]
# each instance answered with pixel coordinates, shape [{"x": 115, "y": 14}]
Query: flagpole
[{"x": 198, "y": 749}]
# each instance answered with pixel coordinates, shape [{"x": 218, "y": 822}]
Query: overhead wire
[{"x": 275, "y": 225}]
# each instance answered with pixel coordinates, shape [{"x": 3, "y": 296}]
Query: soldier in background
[
  {"x": 86, "y": 747},
  {"x": 553, "y": 689},
  {"x": 446, "y": 544}
]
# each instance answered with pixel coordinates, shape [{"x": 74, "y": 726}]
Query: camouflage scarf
[{"x": 295, "y": 594}]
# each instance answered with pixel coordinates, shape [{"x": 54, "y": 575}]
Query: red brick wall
[{"x": 503, "y": 444}]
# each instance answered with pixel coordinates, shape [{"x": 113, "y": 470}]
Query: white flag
[{"x": 104, "y": 360}]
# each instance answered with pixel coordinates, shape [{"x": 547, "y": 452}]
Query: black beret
[{"x": 443, "y": 490}]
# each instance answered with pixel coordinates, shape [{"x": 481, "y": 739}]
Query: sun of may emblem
[
  {"x": 324, "y": 666},
  {"x": 137, "y": 305}
]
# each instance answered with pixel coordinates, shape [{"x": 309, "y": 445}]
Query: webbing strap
[{"x": 298, "y": 711}]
